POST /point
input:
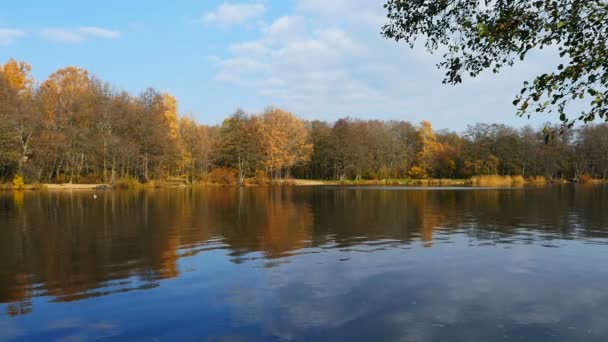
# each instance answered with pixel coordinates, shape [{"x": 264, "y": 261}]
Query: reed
[
  {"x": 518, "y": 180},
  {"x": 496, "y": 180},
  {"x": 537, "y": 180}
]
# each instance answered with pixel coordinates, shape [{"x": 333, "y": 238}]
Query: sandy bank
[{"x": 68, "y": 186}]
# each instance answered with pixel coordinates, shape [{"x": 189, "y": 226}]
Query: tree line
[{"x": 73, "y": 127}]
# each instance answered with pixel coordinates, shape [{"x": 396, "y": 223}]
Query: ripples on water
[{"x": 372, "y": 263}]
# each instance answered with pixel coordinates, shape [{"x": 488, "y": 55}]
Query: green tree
[
  {"x": 321, "y": 158},
  {"x": 239, "y": 144},
  {"x": 484, "y": 34}
]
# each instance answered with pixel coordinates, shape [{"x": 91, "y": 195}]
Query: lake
[{"x": 305, "y": 263}]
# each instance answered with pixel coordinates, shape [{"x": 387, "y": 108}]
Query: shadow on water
[{"x": 69, "y": 246}]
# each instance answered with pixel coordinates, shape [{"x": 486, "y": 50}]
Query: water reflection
[{"x": 321, "y": 248}]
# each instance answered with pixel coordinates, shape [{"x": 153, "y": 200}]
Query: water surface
[{"x": 318, "y": 263}]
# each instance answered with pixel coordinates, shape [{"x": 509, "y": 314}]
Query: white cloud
[
  {"x": 8, "y": 36},
  {"x": 309, "y": 68},
  {"x": 366, "y": 12},
  {"x": 284, "y": 30},
  {"x": 323, "y": 7},
  {"x": 253, "y": 49},
  {"x": 62, "y": 35},
  {"x": 99, "y": 32},
  {"x": 243, "y": 65},
  {"x": 240, "y": 70},
  {"x": 80, "y": 34},
  {"x": 234, "y": 13},
  {"x": 323, "y": 61}
]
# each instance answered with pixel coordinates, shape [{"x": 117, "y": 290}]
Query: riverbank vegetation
[{"x": 74, "y": 128}]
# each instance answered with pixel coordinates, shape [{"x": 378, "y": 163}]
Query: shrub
[
  {"x": 417, "y": 172},
  {"x": 222, "y": 176},
  {"x": 538, "y": 180},
  {"x": 518, "y": 180},
  {"x": 261, "y": 178},
  {"x": 18, "y": 182},
  {"x": 128, "y": 183},
  {"x": 585, "y": 178},
  {"x": 276, "y": 182},
  {"x": 289, "y": 182}
]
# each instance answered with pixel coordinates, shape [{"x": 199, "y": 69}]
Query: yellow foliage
[
  {"x": 417, "y": 172},
  {"x": 261, "y": 178},
  {"x": 18, "y": 182},
  {"x": 63, "y": 88},
  {"x": 128, "y": 183},
  {"x": 430, "y": 147},
  {"x": 170, "y": 115},
  {"x": 18, "y": 75},
  {"x": 285, "y": 140},
  {"x": 518, "y": 180}
]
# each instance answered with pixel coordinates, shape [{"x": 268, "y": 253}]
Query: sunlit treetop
[
  {"x": 483, "y": 35},
  {"x": 18, "y": 74}
]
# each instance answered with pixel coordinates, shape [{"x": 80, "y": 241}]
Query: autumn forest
[{"x": 73, "y": 127}]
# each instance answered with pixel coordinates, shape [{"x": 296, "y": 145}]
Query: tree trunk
[
  {"x": 105, "y": 155},
  {"x": 113, "y": 168},
  {"x": 146, "y": 167}
]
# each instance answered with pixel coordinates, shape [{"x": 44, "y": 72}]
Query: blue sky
[{"x": 321, "y": 59}]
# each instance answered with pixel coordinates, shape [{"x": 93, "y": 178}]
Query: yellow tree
[
  {"x": 286, "y": 141},
  {"x": 176, "y": 150},
  {"x": 63, "y": 91},
  {"x": 190, "y": 139},
  {"x": 65, "y": 97},
  {"x": 9, "y": 156},
  {"x": 18, "y": 75},
  {"x": 428, "y": 142},
  {"x": 197, "y": 141},
  {"x": 170, "y": 115}
]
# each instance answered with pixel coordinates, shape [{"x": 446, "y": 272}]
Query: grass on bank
[
  {"x": 423, "y": 182},
  {"x": 506, "y": 181},
  {"x": 495, "y": 180},
  {"x": 228, "y": 177}
]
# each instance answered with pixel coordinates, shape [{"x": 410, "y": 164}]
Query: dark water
[{"x": 336, "y": 264}]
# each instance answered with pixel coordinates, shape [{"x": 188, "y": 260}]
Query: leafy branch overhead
[{"x": 490, "y": 34}]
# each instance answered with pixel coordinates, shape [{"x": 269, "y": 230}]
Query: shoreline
[
  {"x": 279, "y": 183},
  {"x": 287, "y": 183}
]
